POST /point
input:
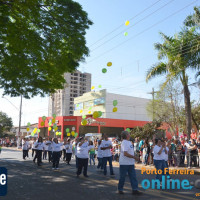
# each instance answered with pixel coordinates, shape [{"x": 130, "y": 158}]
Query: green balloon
[
  {"x": 126, "y": 33},
  {"x": 84, "y": 116},
  {"x": 28, "y": 124},
  {"x": 60, "y": 133},
  {"x": 32, "y": 134},
  {"x": 38, "y": 130},
  {"x": 67, "y": 130},
  {"x": 128, "y": 129},
  {"x": 100, "y": 86},
  {"x": 115, "y": 102},
  {"x": 90, "y": 108},
  {"x": 54, "y": 115},
  {"x": 54, "y": 126},
  {"x": 43, "y": 118},
  {"x": 50, "y": 123},
  {"x": 100, "y": 113},
  {"x": 104, "y": 70},
  {"x": 76, "y": 134}
]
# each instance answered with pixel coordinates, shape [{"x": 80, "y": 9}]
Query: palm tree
[
  {"x": 179, "y": 53},
  {"x": 194, "y": 21}
]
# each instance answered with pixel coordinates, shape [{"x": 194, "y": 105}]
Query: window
[
  {"x": 71, "y": 108},
  {"x": 71, "y": 99},
  {"x": 75, "y": 74},
  {"x": 71, "y": 112}
]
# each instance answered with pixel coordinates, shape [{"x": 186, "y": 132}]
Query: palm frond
[{"x": 156, "y": 70}]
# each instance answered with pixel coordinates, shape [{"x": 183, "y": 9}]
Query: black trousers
[
  {"x": 25, "y": 153},
  {"x": 50, "y": 156},
  {"x": 68, "y": 157},
  {"x": 39, "y": 157},
  {"x": 35, "y": 155},
  {"x": 82, "y": 163},
  {"x": 33, "y": 151},
  {"x": 64, "y": 154},
  {"x": 44, "y": 155},
  {"x": 56, "y": 158},
  {"x": 60, "y": 154}
]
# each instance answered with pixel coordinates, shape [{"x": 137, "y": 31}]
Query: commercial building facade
[{"x": 128, "y": 107}]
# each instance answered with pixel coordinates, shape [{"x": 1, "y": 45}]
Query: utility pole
[
  {"x": 153, "y": 94},
  {"x": 19, "y": 130}
]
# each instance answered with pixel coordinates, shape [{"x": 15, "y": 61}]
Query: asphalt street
[{"x": 28, "y": 181}]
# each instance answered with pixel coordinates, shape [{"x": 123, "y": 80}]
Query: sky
[{"x": 131, "y": 55}]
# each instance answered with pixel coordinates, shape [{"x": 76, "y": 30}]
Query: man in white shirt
[
  {"x": 82, "y": 157},
  {"x": 106, "y": 146},
  {"x": 49, "y": 144},
  {"x": 25, "y": 145},
  {"x": 127, "y": 164}
]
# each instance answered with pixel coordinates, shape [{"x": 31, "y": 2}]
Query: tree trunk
[{"x": 188, "y": 113}]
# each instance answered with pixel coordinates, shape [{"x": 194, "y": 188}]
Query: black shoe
[
  {"x": 86, "y": 176},
  {"x": 136, "y": 192},
  {"x": 120, "y": 192}
]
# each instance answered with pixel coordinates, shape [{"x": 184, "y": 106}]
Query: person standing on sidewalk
[
  {"x": 127, "y": 164},
  {"x": 106, "y": 146},
  {"x": 82, "y": 157}
]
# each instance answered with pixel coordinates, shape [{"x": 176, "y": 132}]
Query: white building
[
  {"x": 128, "y": 107},
  {"x": 61, "y": 103}
]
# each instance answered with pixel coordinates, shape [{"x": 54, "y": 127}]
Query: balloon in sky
[
  {"x": 32, "y": 134},
  {"x": 50, "y": 123},
  {"x": 81, "y": 111},
  {"x": 89, "y": 112},
  {"x": 68, "y": 134},
  {"x": 60, "y": 133},
  {"x": 95, "y": 115},
  {"x": 42, "y": 123},
  {"x": 127, "y": 23},
  {"x": 28, "y": 129},
  {"x": 56, "y": 128},
  {"x": 109, "y": 64},
  {"x": 92, "y": 88},
  {"x": 67, "y": 130},
  {"x": 38, "y": 130},
  {"x": 54, "y": 115},
  {"x": 104, "y": 70},
  {"x": 114, "y": 109},
  {"x": 53, "y": 121},
  {"x": 28, "y": 124},
  {"x": 126, "y": 33},
  {"x": 115, "y": 102},
  {"x": 99, "y": 86},
  {"x": 90, "y": 108},
  {"x": 49, "y": 128},
  {"x": 57, "y": 133},
  {"x": 84, "y": 122},
  {"x": 43, "y": 118}
]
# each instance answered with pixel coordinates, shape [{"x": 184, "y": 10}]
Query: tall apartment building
[{"x": 62, "y": 102}]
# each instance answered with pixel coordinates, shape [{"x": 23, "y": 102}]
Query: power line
[
  {"x": 123, "y": 24},
  {"x": 142, "y": 31},
  {"x": 132, "y": 25}
]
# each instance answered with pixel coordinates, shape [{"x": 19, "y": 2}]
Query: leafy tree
[
  {"x": 166, "y": 106},
  {"x": 180, "y": 54},
  {"x": 147, "y": 131},
  {"x": 5, "y": 123},
  {"x": 40, "y": 40}
]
